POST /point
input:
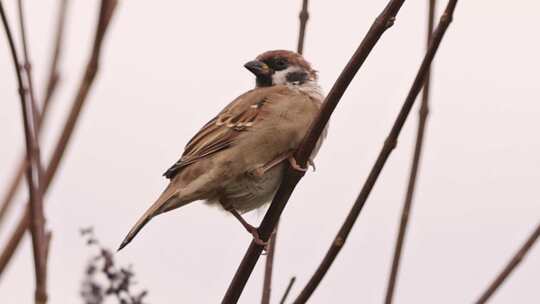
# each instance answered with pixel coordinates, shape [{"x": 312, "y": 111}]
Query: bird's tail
[{"x": 168, "y": 197}]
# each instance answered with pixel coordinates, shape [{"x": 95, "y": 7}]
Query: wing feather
[{"x": 220, "y": 132}]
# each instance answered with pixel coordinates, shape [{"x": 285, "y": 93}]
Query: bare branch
[
  {"x": 423, "y": 113},
  {"x": 268, "y": 269},
  {"x": 27, "y": 65},
  {"x": 12, "y": 189},
  {"x": 33, "y": 159},
  {"x": 514, "y": 262},
  {"x": 387, "y": 149},
  {"x": 267, "y": 282},
  {"x": 291, "y": 176},
  {"x": 40, "y": 237},
  {"x": 287, "y": 291},
  {"x": 54, "y": 72},
  {"x": 41, "y": 118},
  {"x": 105, "y": 15},
  {"x": 303, "y": 16}
]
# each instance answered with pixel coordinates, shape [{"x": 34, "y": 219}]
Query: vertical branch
[
  {"x": 514, "y": 262},
  {"x": 385, "y": 152},
  {"x": 291, "y": 177},
  {"x": 51, "y": 88},
  {"x": 303, "y": 16},
  {"x": 27, "y": 65},
  {"x": 407, "y": 205},
  {"x": 40, "y": 237},
  {"x": 267, "y": 282},
  {"x": 32, "y": 152},
  {"x": 105, "y": 15},
  {"x": 268, "y": 269}
]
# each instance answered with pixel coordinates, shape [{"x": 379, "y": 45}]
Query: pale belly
[{"x": 250, "y": 192}]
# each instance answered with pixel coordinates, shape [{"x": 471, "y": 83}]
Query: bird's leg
[
  {"x": 254, "y": 232},
  {"x": 260, "y": 171},
  {"x": 289, "y": 155}
]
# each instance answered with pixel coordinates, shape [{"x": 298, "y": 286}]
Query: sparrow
[{"x": 237, "y": 159}]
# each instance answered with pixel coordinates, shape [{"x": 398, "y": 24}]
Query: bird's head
[{"x": 281, "y": 67}]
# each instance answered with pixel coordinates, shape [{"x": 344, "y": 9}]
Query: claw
[
  {"x": 295, "y": 165},
  {"x": 256, "y": 237},
  {"x": 254, "y": 232}
]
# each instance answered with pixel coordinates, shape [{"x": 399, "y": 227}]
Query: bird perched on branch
[{"x": 237, "y": 159}]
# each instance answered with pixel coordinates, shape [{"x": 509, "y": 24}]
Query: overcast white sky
[{"x": 168, "y": 67}]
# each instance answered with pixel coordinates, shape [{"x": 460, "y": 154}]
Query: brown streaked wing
[{"x": 219, "y": 133}]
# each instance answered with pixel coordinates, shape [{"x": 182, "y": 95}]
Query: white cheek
[{"x": 280, "y": 77}]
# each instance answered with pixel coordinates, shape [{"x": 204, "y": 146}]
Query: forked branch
[
  {"x": 291, "y": 176},
  {"x": 105, "y": 15},
  {"x": 36, "y": 217},
  {"x": 385, "y": 152},
  {"x": 268, "y": 269},
  {"x": 52, "y": 84}
]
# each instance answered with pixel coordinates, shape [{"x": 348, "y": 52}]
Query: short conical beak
[{"x": 258, "y": 68}]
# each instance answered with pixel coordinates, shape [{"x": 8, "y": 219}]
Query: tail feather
[{"x": 168, "y": 196}]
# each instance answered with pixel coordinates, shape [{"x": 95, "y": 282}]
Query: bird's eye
[{"x": 280, "y": 64}]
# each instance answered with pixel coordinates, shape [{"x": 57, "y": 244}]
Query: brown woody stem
[
  {"x": 407, "y": 205},
  {"x": 291, "y": 176},
  {"x": 105, "y": 15},
  {"x": 389, "y": 145}
]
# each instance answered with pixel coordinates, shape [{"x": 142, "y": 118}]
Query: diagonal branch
[
  {"x": 33, "y": 159},
  {"x": 387, "y": 149},
  {"x": 51, "y": 88},
  {"x": 267, "y": 282},
  {"x": 423, "y": 113},
  {"x": 292, "y": 177},
  {"x": 287, "y": 290},
  {"x": 105, "y": 15},
  {"x": 54, "y": 72},
  {"x": 514, "y": 262}
]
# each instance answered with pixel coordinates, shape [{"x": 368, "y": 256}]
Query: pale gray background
[{"x": 169, "y": 66}]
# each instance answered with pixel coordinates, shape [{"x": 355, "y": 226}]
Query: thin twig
[
  {"x": 41, "y": 239},
  {"x": 268, "y": 269},
  {"x": 105, "y": 15},
  {"x": 287, "y": 291},
  {"x": 514, "y": 262},
  {"x": 41, "y": 118},
  {"x": 32, "y": 151},
  {"x": 303, "y": 16},
  {"x": 292, "y": 177},
  {"x": 54, "y": 72},
  {"x": 12, "y": 189},
  {"x": 407, "y": 205},
  {"x": 27, "y": 65},
  {"x": 387, "y": 149}
]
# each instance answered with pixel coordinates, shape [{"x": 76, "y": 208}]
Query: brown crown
[{"x": 292, "y": 57}]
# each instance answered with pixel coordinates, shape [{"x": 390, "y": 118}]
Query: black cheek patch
[
  {"x": 264, "y": 81},
  {"x": 299, "y": 77}
]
